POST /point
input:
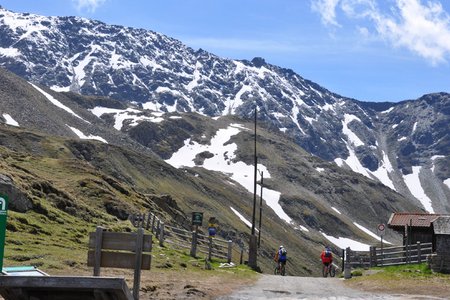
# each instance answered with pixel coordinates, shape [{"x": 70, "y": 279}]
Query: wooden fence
[
  {"x": 408, "y": 254},
  {"x": 184, "y": 239},
  {"x": 388, "y": 256}
]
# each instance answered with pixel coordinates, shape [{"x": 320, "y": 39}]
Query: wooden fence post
[
  {"x": 210, "y": 242},
  {"x": 194, "y": 244},
  {"x": 371, "y": 256},
  {"x": 347, "y": 270},
  {"x": 241, "y": 259},
  {"x": 153, "y": 223},
  {"x": 147, "y": 225},
  {"x": 137, "y": 268},
  {"x": 161, "y": 234},
  {"x": 230, "y": 249},
  {"x": 375, "y": 257},
  {"x": 419, "y": 254},
  {"x": 98, "y": 250},
  {"x": 158, "y": 223}
]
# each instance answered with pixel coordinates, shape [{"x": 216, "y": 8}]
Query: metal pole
[
  {"x": 254, "y": 183},
  {"x": 253, "y": 242},
  {"x": 260, "y": 210}
]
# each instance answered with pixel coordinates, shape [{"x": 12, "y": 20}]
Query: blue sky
[{"x": 370, "y": 50}]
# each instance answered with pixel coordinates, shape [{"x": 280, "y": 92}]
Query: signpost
[
  {"x": 380, "y": 229},
  {"x": 3, "y": 211}
]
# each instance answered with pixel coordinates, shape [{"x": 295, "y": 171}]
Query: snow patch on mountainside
[
  {"x": 433, "y": 158},
  {"x": 9, "y": 52},
  {"x": 413, "y": 183},
  {"x": 343, "y": 243},
  {"x": 336, "y": 210},
  {"x": 120, "y": 115},
  {"x": 369, "y": 232},
  {"x": 57, "y": 103},
  {"x": 223, "y": 161},
  {"x": 82, "y": 136},
  {"x": 10, "y": 121},
  {"x": 447, "y": 182},
  {"x": 243, "y": 219},
  {"x": 382, "y": 173},
  {"x": 353, "y": 162},
  {"x": 353, "y": 138}
]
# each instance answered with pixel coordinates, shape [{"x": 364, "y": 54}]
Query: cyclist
[
  {"x": 280, "y": 257},
  {"x": 327, "y": 257}
]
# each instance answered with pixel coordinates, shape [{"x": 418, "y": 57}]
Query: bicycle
[
  {"x": 280, "y": 269},
  {"x": 330, "y": 269}
]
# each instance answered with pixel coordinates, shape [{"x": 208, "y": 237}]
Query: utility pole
[
  {"x": 260, "y": 211},
  {"x": 252, "y": 251},
  {"x": 254, "y": 183}
]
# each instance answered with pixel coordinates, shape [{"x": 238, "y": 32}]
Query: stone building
[{"x": 439, "y": 261}]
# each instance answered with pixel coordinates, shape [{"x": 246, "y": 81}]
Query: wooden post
[
  {"x": 98, "y": 250},
  {"x": 419, "y": 254},
  {"x": 142, "y": 221},
  {"x": 194, "y": 244},
  {"x": 242, "y": 256},
  {"x": 343, "y": 260},
  {"x": 158, "y": 223},
  {"x": 161, "y": 234},
  {"x": 230, "y": 249},
  {"x": 210, "y": 242},
  {"x": 371, "y": 256},
  {"x": 147, "y": 225},
  {"x": 137, "y": 268},
  {"x": 253, "y": 252},
  {"x": 347, "y": 270},
  {"x": 153, "y": 223}
]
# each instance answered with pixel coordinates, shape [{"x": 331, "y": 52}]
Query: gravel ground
[{"x": 225, "y": 285}]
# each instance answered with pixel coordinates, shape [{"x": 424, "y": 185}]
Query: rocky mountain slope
[
  {"x": 85, "y": 167},
  {"x": 403, "y": 145}
]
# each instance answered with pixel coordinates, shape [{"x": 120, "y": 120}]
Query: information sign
[
  {"x": 197, "y": 218},
  {"x": 212, "y": 226}
]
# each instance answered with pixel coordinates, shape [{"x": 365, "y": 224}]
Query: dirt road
[{"x": 291, "y": 287}]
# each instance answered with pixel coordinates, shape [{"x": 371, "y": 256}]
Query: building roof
[
  {"x": 442, "y": 225},
  {"x": 414, "y": 219}
]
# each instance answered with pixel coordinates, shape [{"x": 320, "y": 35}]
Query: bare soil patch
[
  {"x": 433, "y": 286},
  {"x": 178, "y": 284}
]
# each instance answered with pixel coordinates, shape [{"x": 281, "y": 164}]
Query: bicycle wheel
[
  {"x": 325, "y": 271},
  {"x": 283, "y": 270},
  {"x": 332, "y": 271},
  {"x": 276, "y": 271}
]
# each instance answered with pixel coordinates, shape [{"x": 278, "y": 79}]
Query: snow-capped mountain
[{"x": 403, "y": 145}]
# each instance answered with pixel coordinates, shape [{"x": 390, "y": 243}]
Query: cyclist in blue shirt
[{"x": 281, "y": 257}]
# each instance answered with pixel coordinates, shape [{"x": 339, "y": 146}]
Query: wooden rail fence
[
  {"x": 182, "y": 238},
  {"x": 388, "y": 256}
]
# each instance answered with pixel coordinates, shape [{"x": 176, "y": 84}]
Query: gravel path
[{"x": 291, "y": 287}]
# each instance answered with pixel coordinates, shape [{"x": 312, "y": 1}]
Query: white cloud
[
  {"x": 327, "y": 9},
  {"x": 422, "y": 27},
  {"x": 89, "y": 5}
]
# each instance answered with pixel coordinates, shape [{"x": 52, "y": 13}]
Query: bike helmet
[{"x": 281, "y": 246}]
